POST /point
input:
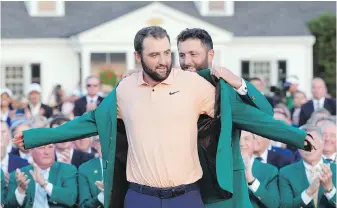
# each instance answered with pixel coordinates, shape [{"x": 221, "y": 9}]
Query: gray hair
[
  {"x": 92, "y": 76},
  {"x": 19, "y": 123},
  {"x": 320, "y": 111},
  {"x": 327, "y": 123},
  {"x": 312, "y": 128},
  {"x": 36, "y": 121}
]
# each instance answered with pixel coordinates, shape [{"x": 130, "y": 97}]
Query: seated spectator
[
  {"x": 274, "y": 156},
  {"x": 20, "y": 126},
  {"x": 319, "y": 101},
  {"x": 310, "y": 182},
  {"x": 90, "y": 176},
  {"x": 299, "y": 99},
  {"x": 35, "y": 107},
  {"x": 5, "y": 101},
  {"x": 46, "y": 183},
  {"x": 329, "y": 141},
  {"x": 9, "y": 162},
  {"x": 39, "y": 121},
  {"x": 65, "y": 152},
  {"x": 261, "y": 177},
  {"x": 84, "y": 145}
]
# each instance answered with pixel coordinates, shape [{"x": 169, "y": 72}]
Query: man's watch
[
  {"x": 251, "y": 183},
  {"x": 44, "y": 185}
]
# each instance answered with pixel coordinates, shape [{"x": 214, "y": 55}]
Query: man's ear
[
  {"x": 210, "y": 56},
  {"x": 137, "y": 56}
]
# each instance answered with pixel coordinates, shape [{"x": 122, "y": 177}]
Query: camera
[{"x": 280, "y": 92}]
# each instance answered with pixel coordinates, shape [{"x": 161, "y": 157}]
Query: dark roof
[{"x": 250, "y": 18}]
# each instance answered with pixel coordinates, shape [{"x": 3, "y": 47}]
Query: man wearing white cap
[
  {"x": 292, "y": 82},
  {"x": 35, "y": 107}
]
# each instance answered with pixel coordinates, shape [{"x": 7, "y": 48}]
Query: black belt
[{"x": 164, "y": 193}]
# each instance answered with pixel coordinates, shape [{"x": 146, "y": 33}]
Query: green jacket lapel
[
  {"x": 224, "y": 160},
  {"x": 53, "y": 172},
  {"x": 31, "y": 187}
]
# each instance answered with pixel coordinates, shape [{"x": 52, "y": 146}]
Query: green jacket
[
  {"x": 3, "y": 187},
  {"x": 267, "y": 195},
  {"x": 62, "y": 176},
  {"x": 103, "y": 121},
  {"x": 293, "y": 181},
  {"x": 88, "y": 173}
]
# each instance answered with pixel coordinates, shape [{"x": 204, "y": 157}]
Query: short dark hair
[
  {"x": 196, "y": 33},
  {"x": 58, "y": 121},
  {"x": 154, "y": 31}
]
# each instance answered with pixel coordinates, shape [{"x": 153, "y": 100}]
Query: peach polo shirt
[{"x": 161, "y": 127}]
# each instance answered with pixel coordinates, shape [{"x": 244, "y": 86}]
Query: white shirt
[
  {"x": 4, "y": 116},
  {"x": 243, "y": 89},
  {"x": 49, "y": 189},
  {"x": 264, "y": 156},
  {"x": 307, "y": 199},
  {"x": 35, "y": 111},
  {"x": 94, "y": 99},
  {"x": 4, "y": 164},
  {"x": 256, "y": 184},
  {"x": 59, "y": 155},
  {"x": 100, "y": 196},
  {"x": 296, "y": 115},
  {"x": 25, "y": 156},
  {"x": 319, "y": 102}
]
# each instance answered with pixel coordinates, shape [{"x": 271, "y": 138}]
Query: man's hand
[
  {"x": 227, "y": 75},
  {"x": 37, "y": 175},
  {"x": 18, "y": 140},
  {"x": 22, "y": 181},
  {"x": 309, "y": 143},
  {"x": 248, "y": 168},
  {"x": 314, "y": 186},
  {"x": 100, "y": 185},
  {"x": 7, "y": 178},
  {"x": 326, "y": 177}
]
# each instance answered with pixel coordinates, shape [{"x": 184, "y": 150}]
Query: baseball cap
[
  {"x": 292, "y": 80},
  {"x": 34, "y": 87}
]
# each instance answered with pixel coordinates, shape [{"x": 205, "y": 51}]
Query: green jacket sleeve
[
  {"x": 66, "y": 193},
  {"x": 253, "y": 96},
  {"x": 253, "y": 120},
  {"x": 80, "y": 127},
  {"x": 86, "y": 198},
  {"x": 288, "y": 200},
  {"x": 267, "y": 192}
]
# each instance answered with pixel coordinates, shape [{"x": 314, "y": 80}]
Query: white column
[
  {"x": 130, "y": 60},
  {"x": 85, "y": 65}
]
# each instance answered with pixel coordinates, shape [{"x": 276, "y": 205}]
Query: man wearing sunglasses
[{"x": 91, "y": 100}]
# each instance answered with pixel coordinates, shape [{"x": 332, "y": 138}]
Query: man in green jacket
[
  {"x": 46, "y": 183},
  {"x": 153, "y": 50},
  {"x": 311, "y": 182},
  {"x": 261, "y": 177}
]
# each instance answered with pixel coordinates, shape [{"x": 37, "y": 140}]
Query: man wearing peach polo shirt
[{"x": 160, "y": 108}]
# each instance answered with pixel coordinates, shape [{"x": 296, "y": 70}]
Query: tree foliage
[{"x": 324, "y": 29}]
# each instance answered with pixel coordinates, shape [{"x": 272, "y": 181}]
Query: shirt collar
[
  {"x": 309, "y": 167},
  {"x": 264, "y": 156},
  {"x": 321, "y": 101},
  {"x": 168, "y": 80},
  {"x": 95, "y": 98},
  {"x": 332, "y": 157}
]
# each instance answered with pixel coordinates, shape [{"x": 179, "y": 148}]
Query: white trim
[
  {"x": 228, "y": 9},
  {"x": 306, "y": 40},
  {"x": 167, "y": 11},
  {"x": 32, "y": 8}
]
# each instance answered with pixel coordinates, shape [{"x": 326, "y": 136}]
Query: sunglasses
[{"x": 90, "y": 85}]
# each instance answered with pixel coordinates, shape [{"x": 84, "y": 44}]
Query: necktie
[
  {"x": 259, "y": 158},
  {"x": 40, "y": 194},
  {"x": 92, "y": 101},
  {"x": 313, "y": 177},
  {"x": 317, "y": 105},
  {"x": 329, "y": 160}
]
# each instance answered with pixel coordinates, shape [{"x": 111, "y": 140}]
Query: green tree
[{"x": 324, "y": 29}]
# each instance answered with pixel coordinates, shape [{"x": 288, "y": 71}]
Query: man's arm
[
  {"x": 11, "y": 200},
  {"x": 66, "y": 192},
  {"x": 267, "y": 192},
  {"x": 287, "y": 198},
  {"x": 86, "y": 199},
  {"x": 80, "y": 127},
  {"x": 253, "y": 97}
]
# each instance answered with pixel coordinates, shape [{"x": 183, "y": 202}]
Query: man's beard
[
  {"x": 154, "y": 75},
  {"x": 203, "y": 65}
]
